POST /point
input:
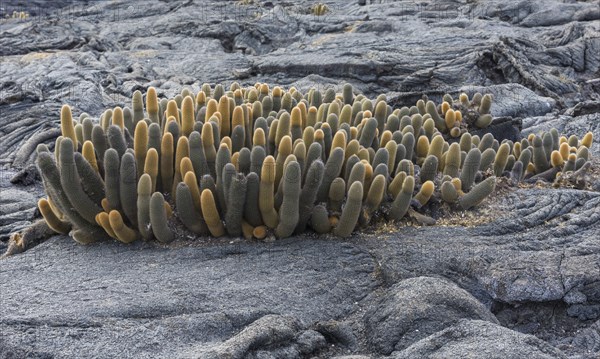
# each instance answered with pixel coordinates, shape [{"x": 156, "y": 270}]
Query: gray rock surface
[
  {"x": 17, "y": 205},
  {"x": 482, "y": 339},
  {"x": 528, "y": 257},
  {"x": 418, "y": 307},
  {"x": 224, "y": 300}
]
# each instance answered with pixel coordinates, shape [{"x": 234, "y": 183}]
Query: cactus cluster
[
  {"x": 547, "y": 155},
  {"x": 18, "y": 15},
  {"x": 319, "y": 9},
  {"x": 256, "y": 161},
  {"x": 456, "y": 117}
]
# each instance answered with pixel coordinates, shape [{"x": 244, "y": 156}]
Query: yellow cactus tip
[
  {"x": 587, "y": 140},
  {"x": 556, "y": 159}
]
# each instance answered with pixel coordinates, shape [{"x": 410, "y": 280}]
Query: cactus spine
[
  {"x": 55, "y": 223},
  {"x": 470, "y": 169},
  {"x": 127, "y": 189},
  {"x": 121, "y": 231},
  {"x": 144, "y": 191},
  {"x": 333, "y": 167},
  {"x": 540, "y": 160},
  {"x": 235, "y": 204},
  {"x": 478, "y": 193},
  {"x": 425, "y": 193},
  {"x": 158, "y": 218},
  {"x": 375, "y": 195},
  {"x": 72, "y": 183},
  {"x": 337, "y": 192},
  {"x": 266, "y": 195},
  {"x": 66, "y": 124},
  {"x": 449, "y": 192},
  {"x": 308, "y": 195},
  {"x": 166, "y": 161},
  {"x": 501, "y": 159},
  {"x": 288, "y": 212},
  {"x": 429, "y": 169},
  {"x": 52, "y": 182},
  {"x": 351, "y": 211},
  {"x": 251, "y": 206},
  {"x": 211, "y": 215}
]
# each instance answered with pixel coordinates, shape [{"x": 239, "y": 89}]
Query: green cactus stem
[{"x": 350, "y": 212}]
